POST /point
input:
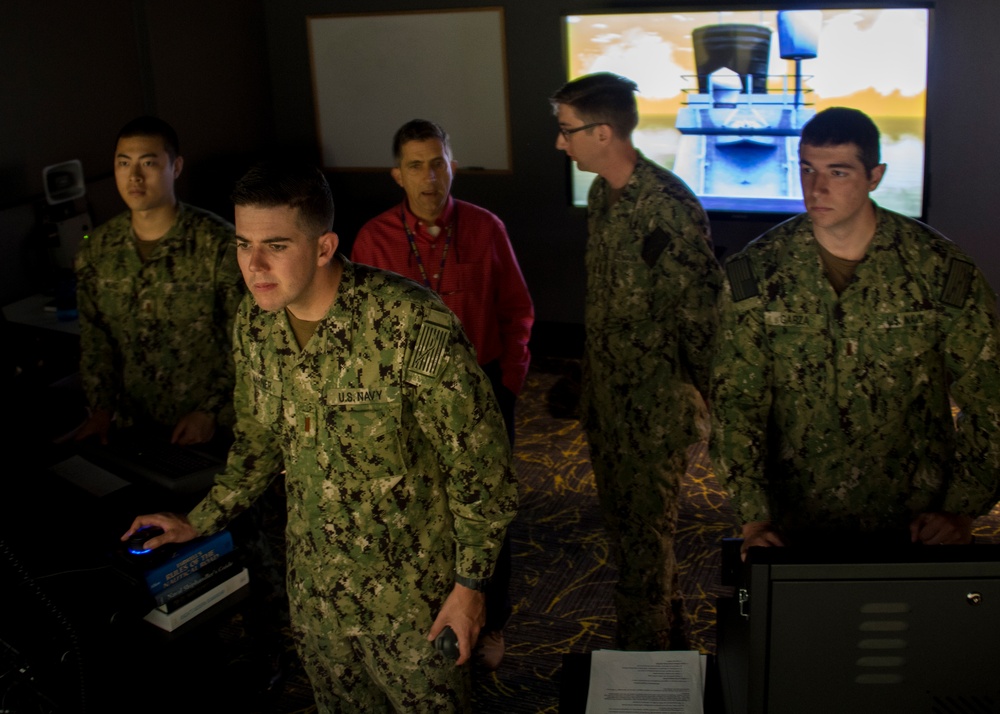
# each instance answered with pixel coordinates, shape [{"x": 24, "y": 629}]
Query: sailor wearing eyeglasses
[{"x": 650, "y": 318}]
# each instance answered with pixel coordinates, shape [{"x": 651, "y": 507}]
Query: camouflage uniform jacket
[
  {"x": 154, "y": 336},
  {"x": 834, "y": 412},
  {"x": 398, "y": 470},
  {"x": 650, "y": 315}
]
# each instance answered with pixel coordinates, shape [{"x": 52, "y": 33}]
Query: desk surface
[
  {"x": 32, "y": 311},
  {"x": 74, "y": 620}
]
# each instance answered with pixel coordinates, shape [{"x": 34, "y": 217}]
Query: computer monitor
[{"x": 913, "y": 630}]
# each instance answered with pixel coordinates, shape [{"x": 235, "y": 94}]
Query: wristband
[{"x": 477, "y": 584}]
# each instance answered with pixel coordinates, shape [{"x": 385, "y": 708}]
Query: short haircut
[
  {"x": 837, "y": 126},
  {"x": 602, "y": 97},
  {"x": 418, "y": 130},
  {"x": 153, "y": 126},
  {"x": 273, "y": 183}
]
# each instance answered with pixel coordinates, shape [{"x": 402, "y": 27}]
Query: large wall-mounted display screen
[{"x": 723, "y": 94}]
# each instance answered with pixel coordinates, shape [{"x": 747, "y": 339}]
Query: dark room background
[{"x": 233, "y": 77}]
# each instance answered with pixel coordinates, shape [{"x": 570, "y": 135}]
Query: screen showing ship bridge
[{"x": 723, "y": 95}]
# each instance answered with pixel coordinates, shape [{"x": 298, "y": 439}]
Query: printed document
[{"x": 646, "y": 682}]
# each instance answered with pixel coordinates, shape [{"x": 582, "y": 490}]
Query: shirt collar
[{"x": 443, "y": 220}]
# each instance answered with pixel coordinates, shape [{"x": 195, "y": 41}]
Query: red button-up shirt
[{"x": 480, "y": 281}]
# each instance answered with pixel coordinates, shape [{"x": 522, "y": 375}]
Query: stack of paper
[{"x": 670, "y": 682}]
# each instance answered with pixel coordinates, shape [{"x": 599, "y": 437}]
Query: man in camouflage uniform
[
  {"x": 158, "y": 287},
  {"x": 652, "y": 285},
  {"x": 363, "y": 387},
  {"x": 844, "y": 332}
]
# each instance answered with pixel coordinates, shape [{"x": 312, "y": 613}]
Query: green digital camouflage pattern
[
  {"x": 834, "y": 413},
  {"x": 398, "y": 468},
  {"x": 652, "y": 288},
  {"x": 155, "y": 337},
  {"x": 650, "y": 313},
  {"x": 373, "y": 672}
]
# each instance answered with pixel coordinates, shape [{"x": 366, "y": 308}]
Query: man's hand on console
[
  {"x": 941, "y": 528},
  {"x": 194, "y": 428},
  {"x": 176, "y": 528},
  {"x": 759, "y": 533},
  {"x": 98, "y": 424}
]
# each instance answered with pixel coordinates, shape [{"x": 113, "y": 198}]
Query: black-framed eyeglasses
[{"x": 569, "y": 132}]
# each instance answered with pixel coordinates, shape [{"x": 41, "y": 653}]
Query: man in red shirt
[{"x": 462, "y": 252}]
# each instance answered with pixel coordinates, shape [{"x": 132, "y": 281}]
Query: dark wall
[
  {"x": 964, "y": 121},
  {"x": 75, "y": 72},
  {"x": 547, "y": 233}
]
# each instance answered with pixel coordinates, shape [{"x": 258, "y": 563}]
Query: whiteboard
[{"x": 372, "y": 73}]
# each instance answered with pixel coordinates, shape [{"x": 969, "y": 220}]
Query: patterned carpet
[{"x": 563, "y": 579}]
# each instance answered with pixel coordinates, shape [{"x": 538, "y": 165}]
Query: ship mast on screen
[{"x": 723, "y": 95}]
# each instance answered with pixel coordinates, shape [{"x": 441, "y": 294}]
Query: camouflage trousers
[
  {"x": 388, "y": 669},
  {"x": 638, "y": 494}
]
